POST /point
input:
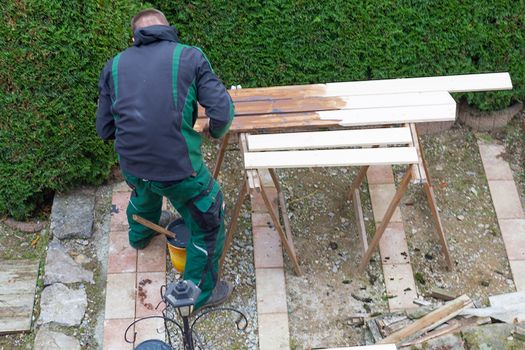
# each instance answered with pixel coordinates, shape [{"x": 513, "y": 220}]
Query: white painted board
[
  {"x": 330, "y": 139},
  {"x": 330, "y": 158}
]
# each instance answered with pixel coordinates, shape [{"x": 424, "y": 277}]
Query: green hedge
[
  {"x": 51, "y": 55},
  {"x": 277, "y": 42},
  {"x": 52, "y": 52}
]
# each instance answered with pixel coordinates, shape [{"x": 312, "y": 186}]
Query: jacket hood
[{"x": 150, "y": 34}]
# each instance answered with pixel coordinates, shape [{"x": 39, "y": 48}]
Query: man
[{"x": 148, "y": 98}]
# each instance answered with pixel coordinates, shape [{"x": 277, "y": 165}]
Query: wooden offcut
[
  {"x": 17, "y": 294},
  {"x": 431, "y": 320}
]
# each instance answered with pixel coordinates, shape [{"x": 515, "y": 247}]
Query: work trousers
[{"x": 199, "y": 201}]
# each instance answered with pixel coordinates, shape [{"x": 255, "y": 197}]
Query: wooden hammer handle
[{"x": 153, "y": 226}]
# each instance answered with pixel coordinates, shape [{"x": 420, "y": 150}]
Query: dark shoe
[
  {"x": 166, "y": 217},
  {"x": 220, "y": 294}
]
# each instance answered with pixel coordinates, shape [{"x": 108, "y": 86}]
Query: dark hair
[{"x": 148, "y": 13}]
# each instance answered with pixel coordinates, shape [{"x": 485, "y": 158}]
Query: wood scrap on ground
[{"x": 413, "y": 327}]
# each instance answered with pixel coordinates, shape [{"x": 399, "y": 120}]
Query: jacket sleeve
[
  {"x": 105, "y": 122},
  {"x": 212, "y": 95}
]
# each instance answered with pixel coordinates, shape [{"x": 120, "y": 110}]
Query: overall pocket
[{"x": 206, "y": 208}]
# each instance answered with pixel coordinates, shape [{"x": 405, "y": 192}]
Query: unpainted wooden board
[
  {"x": 17, "y": 294},
  {"x": 431, "y": 320},
  {"x": 329, "y": 139},
  {"x": 330, "y": 158}
]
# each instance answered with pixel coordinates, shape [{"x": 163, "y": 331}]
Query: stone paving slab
[
  {"x": 271, "y": 291},
  {"x": 121, "y": 257},
  {"x": 17, "y": 294},
  {"x": 273, "y": 332},
  {"x": 393, "y": 245},
  {"x": 114, "y": 334},
  {"x": 506, "y": 199},
  {"x": 267, "y": 250},
  {"x": 148, "y": 293},
  {"x": 399, "y": 277},
  {"x": 120, "y": 295},
  {"x": 513, "y": 233},
  {"x": 258, "y": 205},
  {"x": 153, "y": 257},
  {"x": 496, "y": 167},
  {"x": 507, "y": 204},
  {"x": 152, "y": 328},
  {"x": 518, "y": 271},
  {"x": 272, "y": 315},
  {"x": 133, "y": 281},
  {"x": 382, "y": 195},
  {"x": 400, "y": 284},
  {"x": 380, "y": 174}
]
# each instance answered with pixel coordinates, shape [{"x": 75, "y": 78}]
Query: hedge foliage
[
  {"x": 52, "y": 52},
  {"x": 51, "y": 55},
  {"x": 275, "y": 42}
]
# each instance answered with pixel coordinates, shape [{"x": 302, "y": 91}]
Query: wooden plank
[
  {"x": 330, "y": 139},
  {"x": 442, "y": 294},
  {"x": 17, "y": 294},
  {"x": 431, "y": 320},
  {"x": 419, "y": 173},
  {"x": 356, "y": 117},
  {"x": 330, "y": 158},
  {"x": 451, "y": 83},
  {"x": 392, "y": 115},
  {"x": 313, "y": 104}
]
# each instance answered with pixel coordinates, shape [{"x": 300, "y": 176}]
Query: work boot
[
  {"x": 220, "y": 294},
  {"x": 166, "y": 217}
]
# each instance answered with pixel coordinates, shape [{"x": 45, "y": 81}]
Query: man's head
[{"x": 148, "y": 17}]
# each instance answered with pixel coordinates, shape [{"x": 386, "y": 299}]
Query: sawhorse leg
[
  {"x": 233, "y": 223},
  {"x": 386, "y": 219},
  {"x": 431, "y": 198},
  {"x": 286, "y": 235},
  {"x": 220, "y": 157}
]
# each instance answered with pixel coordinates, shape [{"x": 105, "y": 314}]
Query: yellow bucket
[{"x": 177, "y": 246}]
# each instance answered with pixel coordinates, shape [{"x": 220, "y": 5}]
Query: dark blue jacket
[{"x": 148, "y": 98}]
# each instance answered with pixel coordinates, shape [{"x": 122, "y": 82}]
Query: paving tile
[
  {"x": 518, "y": 273},
  {"x": 381, "y": 195},
  {"x": 121, "y": 187},
  {"x": 261, "y": 219},
  {"x": 271, "y": 291},
  {"x": 399, "y": 282},
  {"x": 152, "y": 328},
  {"x": 513, "y": 233},
  {"x": 506, "y": 200},
  {"x": 380, "y": 174},
  {"x": 273, "y": 331},
  {"x": 119, "y": 220},
  {"x": 121, "y": 256},
  {"x": 153, "y": 257},
  {"x": 496, "y": 168},
  {"x": 393, "y": 245},
  {"x": 148, "y": 293},
  {"x": 266, "y": 178},
  {"x": 114, "y": 334},
  {"x": 267, "y": 248},
  {"x": 120, "y": 295},
  {"x": 258, "y": 202}
]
